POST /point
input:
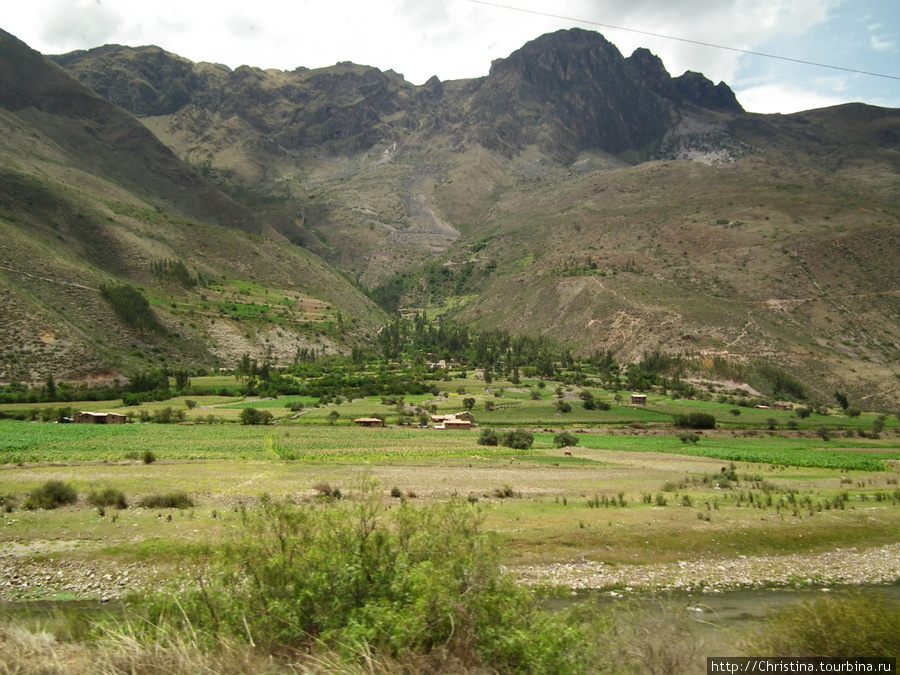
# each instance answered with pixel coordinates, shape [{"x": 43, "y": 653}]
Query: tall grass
[{"x": 854, "y": 624}]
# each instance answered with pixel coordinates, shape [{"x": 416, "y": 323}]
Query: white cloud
[
  {"x": 453, "y": 39},
  {"x": 75, "y": 24},
  {"x": 883, "y": 45},
  {"x": 779, "y": 98}
]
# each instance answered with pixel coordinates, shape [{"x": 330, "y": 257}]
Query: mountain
[
  {"x": 91, "y": 200},
  {"x": 572, "y": 192}
]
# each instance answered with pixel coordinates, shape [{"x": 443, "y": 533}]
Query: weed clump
[
  {"x": 51, "y": 495},
  {"x": 171, "y": 500},
  {"x": 108, "y": 497}
]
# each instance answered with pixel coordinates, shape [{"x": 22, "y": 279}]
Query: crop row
[{"x": 765, "y": 450}]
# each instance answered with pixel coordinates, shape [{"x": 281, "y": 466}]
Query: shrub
[
  {"x": 370, "y": 585},
  {"x": 108, "y": 497},
  {"x": 506, "y": 492},
  {"x": 695, "y": 420},
  {"x": 171, "y": 500},
  {"x": 50, "y": 495},
  {"x": 255, "y": 416},
  {"x": 518, "y": 439},
  {"x": 689, "y": 439},
  {"x": 488, "y": 437},
  {"x": 130, "y": 399},
  {"x": 168, "y": 416},
  {"x": 565, "y": 440},
  {"x": 148, "y": 457}
]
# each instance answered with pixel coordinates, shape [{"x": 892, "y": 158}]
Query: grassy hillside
[
  {"x": 90, "y": 200},
  {"x": 732, "y": 237}
]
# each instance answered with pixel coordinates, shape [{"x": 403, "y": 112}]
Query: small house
[
  {"x": 99, "y": 418},
  {"x": 638, "y": 399},
  {"x": 369, "y": 422},
  {"x": 457, "y": 424}
]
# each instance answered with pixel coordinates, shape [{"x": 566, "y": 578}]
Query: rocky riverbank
[
  {"x": 840, "y": 567},
  {"x": 23, "y": 577}
]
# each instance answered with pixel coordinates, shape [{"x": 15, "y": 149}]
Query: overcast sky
[{"x": 456, "y": 39}]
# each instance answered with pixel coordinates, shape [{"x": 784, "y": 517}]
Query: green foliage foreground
[{"x": 365, "y": 582}]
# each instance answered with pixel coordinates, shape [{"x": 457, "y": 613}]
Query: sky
[{"x": 456, "y": 39}]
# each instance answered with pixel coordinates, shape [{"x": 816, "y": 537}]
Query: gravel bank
[
  {"x": 843, "y": 566},
  {"x": 25, "y": 578}
]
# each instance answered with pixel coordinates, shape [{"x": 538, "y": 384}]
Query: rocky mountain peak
[{"x": 568, "y": 91}]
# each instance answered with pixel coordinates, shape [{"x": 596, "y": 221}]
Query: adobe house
[
  {"x": 369, "y": 422},
  {"x": 99, "y": 418},
  {"x": 462, "y": 420},
  {"x": 456, "y": 424},
  {"x": 638, "y": 399}
]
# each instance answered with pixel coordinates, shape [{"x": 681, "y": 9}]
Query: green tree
[
  {"x": 518, "y": 439},
  {"x": 255, "y": 416},
  {"x": 182, "y": 379},
  {"x": 333, "y": 417},
  {"x": 468, "y": 403},
  {"x": 488, "y": 437}
]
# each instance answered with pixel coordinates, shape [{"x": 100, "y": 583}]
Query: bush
[
  {"x": 517, "y": 439},
  {"x": 695, "y": 420},
  {"x": 837, "y": 627},
  {"x": 171, "y": 500},
  {"x": 108, "y": 497},
  {"x": 50, "y": 495},
  {"x": 488, "y": 437},
  {"x": 370, "y": 585},
  {"x": 565, "y": 440},
  {"x": 130, "y": 399},
  {"x": 255, "y": 416}
]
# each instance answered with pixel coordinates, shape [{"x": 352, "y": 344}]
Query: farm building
[
  {"x": 455, "y": 424},
  {"x": 464, "y": 415},
  {"x": 638, "y": 399},
  {"x": 369, "y": 422},
  {"x": 99, "y": 418}
]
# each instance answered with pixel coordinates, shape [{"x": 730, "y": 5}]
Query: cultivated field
[
  {"x": 630, "y": 505},
  {"x": 628, "y": 491}
]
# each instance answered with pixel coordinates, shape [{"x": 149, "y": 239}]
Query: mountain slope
[
  {"x": 89, "y": 198},
  {"x": 572, "y": 192}
]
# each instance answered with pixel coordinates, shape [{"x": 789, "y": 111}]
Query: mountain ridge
[{"x": 572, "y": 193}]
